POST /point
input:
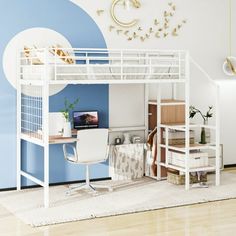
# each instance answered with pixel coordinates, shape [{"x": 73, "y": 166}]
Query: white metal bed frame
[{"x": 101, "y": 66}]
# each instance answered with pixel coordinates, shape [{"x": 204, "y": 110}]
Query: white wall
[
  {"x": 126, "y": 105},
  {"x": 205, "y": 36},
  {"x": 228, "y": 120},
  {"x": 228, "y": 101}
]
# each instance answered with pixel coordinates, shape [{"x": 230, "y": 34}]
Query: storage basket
[{"x": 175, "y": 178}]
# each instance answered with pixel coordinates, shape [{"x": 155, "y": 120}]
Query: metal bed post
[
  {"x": 158, "y": 132},
  {"x": 121, "y": 65},
  {"x": 55, "y": 63},
  {"x": 166, "y": 144},
  {"x": 174, "y": 85},
  {"x": 146, "y": 97},
  {"x": 18, "y": 123},
  {"x": 174, "y": 91},
  {"x": 45, "y": 113},
  {"x": 187, "y": 87},
  {"x": 87, "y": 65},
  {"x": 217, "y": 164},
  {"x": 146, "y": 115}
]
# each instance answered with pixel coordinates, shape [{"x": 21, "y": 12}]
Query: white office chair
[{"x": 91, "y": 147}]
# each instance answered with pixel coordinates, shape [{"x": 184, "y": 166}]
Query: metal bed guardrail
[{"x": 101, "y": 64}]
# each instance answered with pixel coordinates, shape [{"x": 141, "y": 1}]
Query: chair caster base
[{"x": 91, "y": 188}]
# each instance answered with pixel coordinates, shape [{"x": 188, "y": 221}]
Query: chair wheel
[{"x": 95, "y": 193}]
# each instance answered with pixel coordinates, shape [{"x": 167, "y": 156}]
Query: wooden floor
[{"x": 211, "y": 219}]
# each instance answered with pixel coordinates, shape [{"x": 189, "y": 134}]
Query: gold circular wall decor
[
  {"x": 132, "y": 23},
  {"x": 229, "y": 66},
  {"x": 161, "y": 27}
]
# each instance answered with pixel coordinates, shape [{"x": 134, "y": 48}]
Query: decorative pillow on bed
[
  {"x": 55, "y": 54},
  {"x": 31, "y": 54},
  {"x": 63, "y": 55}
]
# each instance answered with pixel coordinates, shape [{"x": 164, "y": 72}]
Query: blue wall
[{"x": 81, "y": 31}]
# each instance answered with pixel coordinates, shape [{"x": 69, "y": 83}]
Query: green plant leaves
[
  {"x": 68, "y": 106},
  {"x": 193, "y": 111}
]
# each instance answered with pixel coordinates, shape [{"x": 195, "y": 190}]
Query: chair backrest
[{"x": 92, "y": 145}]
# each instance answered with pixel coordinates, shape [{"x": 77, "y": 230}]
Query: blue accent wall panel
[{"x": 81, "y": 31}]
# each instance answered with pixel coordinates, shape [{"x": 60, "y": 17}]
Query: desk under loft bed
[{"x": 38, "y": 70}]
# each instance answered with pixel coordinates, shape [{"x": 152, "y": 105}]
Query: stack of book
[{"x": 178, "y": 137}]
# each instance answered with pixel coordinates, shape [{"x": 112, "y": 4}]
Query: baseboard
[
  {"x": 55, "y": 184},
  {"x": 230, "y": 166}
]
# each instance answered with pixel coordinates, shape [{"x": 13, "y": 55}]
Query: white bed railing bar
[
  {"x": 113, "y": 81},
  {"x": 89, "y": 64}
]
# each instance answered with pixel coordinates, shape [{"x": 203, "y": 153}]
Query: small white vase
[
  {"x": 126, "y": 138},
  {"x": 66, "y": 130}
]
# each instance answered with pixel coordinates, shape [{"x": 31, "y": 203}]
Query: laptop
[{"x": 85, "y": 119}]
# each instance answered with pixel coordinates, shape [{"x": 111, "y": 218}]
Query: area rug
[{"x": 128, "y": 197}]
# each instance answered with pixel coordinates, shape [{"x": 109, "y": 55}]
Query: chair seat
[{"x": 91, "y": 162}]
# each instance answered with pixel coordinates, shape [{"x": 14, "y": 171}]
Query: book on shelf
[{"x": 178, "y": 137}]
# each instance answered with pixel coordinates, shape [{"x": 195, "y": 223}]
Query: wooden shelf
[
  {"x": 181, "y": 126},
  {"x": 167, "y": 102},
  {"x": 58, "y": 139},
  {"x": 195, "y": 146},
  {"x": 122, "y": 129},
  {"x": 182, "y": 169},
  {"x": 173, "y": 126}
]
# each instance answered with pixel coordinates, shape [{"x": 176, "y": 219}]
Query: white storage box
[{"x": 197, "y": 159}]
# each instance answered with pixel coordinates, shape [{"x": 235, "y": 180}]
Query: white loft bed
[{"x": 38, "y": 69}]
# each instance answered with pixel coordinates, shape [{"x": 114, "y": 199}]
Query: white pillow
[{"x": 31, "y": 54}]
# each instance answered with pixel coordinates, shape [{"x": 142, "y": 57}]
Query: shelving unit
[
  {"x": 182, "y": 149},
  {"x": 186, "y": 149},
  {"x": 163, "y": 149}
]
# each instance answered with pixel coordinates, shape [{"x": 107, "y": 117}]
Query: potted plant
[
  {"x": 193, "y": 111},
  {"x": 68, "y": 107}
]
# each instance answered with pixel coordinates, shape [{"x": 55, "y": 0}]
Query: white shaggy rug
[{"x": 127, "y": 197}]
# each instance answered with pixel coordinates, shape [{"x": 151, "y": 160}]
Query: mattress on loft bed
[
  {"x": 37, "y": 72},
  {"x": 72, "y": 72},
  {"x": 97, "y": 72}
]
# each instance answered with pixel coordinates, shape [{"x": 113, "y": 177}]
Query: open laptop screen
[{"x": 85, "y": 119}]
